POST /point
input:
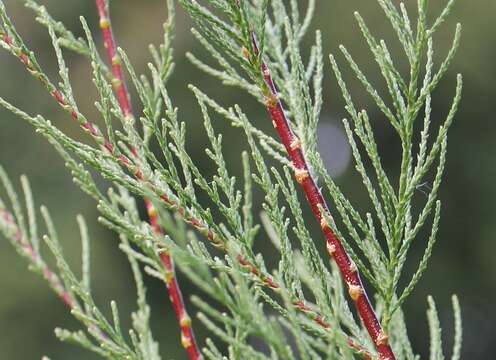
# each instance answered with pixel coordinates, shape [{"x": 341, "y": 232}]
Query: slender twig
[
  {"x": 263, "y": 277},
  {"x": 188, "y": 340},
  {"x": 36, "y": 260},
  {"x": 175, "y": 294},
  {"x": 349, "y": 270}
]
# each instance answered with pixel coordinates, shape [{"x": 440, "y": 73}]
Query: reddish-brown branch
[
  {"x": 188, "y": 340},
  {"x": 264, "y": 278},
  {"x": 118, "y": 82},
  {"x": 317, "y": 202}
]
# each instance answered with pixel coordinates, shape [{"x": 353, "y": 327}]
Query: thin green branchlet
[
  {"x": 301, "y": 308},
  {"x": 97, "y": 334}
]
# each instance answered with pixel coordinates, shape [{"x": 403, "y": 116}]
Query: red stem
[
  {"x": 264, "y": 278},
  {"x": 335, "y": 248},
  {"x": 119, "y": 83},
  {"x": 188, "y": 340}
]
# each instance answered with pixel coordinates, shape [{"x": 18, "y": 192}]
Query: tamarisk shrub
[{"x": 342, "y": 303}]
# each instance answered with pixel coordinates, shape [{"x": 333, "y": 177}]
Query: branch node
[
  {"x": 353, "y": 267},
  {"x": 295, "y": 144},
  {"x": 104, "y": 23},
  {"x": 355, "y": 291},
  {"x": 116, "y": 83},
  {"x": 116, "y": 60},
  {"x": 301, "y": 175},
  {"x": 331, "y": 248},
  {"x": 382, "y": 339},
  {"x": 185, "y": 341},
  {"x": 169, "y": 276},
  {"x": 271, "y": 101},
  {"x": 185, "y": 321},
  {"x": 323, "y": 223}
]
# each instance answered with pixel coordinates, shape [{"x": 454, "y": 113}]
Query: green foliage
[
  {"x": 98, "y": 334},
  {"x": 300, "y": 309}
]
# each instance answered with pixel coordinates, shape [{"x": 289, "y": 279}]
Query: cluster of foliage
[{"x": 304, "y": 308}]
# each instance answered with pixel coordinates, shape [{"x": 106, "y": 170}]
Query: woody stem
[
  {"x": 317, "y": 202},
  {"x": 188, "y": 340}
]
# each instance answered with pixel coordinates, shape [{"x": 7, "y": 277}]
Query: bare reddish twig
[
  {"x": 188, "y": 340},
  {"x": 118, "y": 82},
  {"x": 317, "y": 202},
  {"x": 264, "y": 278}
]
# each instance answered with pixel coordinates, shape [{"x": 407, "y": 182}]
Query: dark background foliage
[{"x": 463, "y": 258}]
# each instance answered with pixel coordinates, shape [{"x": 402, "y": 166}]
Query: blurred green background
[{"x": 463, "y": 261}]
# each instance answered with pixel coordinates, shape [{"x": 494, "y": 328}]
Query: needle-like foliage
[{"x": 310, "y": 306}]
